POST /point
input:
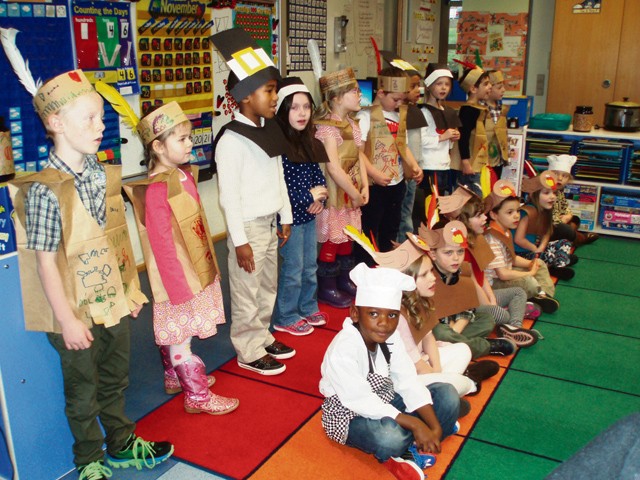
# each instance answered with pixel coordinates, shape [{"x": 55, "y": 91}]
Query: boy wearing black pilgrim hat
[{"x": 252, "y": 194}]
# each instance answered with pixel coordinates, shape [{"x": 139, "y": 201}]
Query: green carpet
[
  {"x": 548, "y": 417},
  {"x": 600, "y": 311},
  {"x": 582, "y": 356},
  {"x": 480, "y": 460},
  {"x": 612, "y": 249},
  {"x": 559, "y": 394},
  {"x": 606, "y": 277}
]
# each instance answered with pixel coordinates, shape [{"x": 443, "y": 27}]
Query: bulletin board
[
  {"x": 306, "y": 19},
  {"x": 40, "y": 25},
  {"x": 501, "y": 40},
  {"x": 421, "y": 32}
]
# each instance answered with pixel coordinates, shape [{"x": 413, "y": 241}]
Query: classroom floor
[{"x": 546, "y": 402}]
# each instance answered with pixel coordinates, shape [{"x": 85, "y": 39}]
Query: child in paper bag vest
[
  {"x": 297, "y": 310},
  {"x": 373, "y": 399},
  {"x": 508, "y": 306},
  {"x": 496, "y": 123},
  {"x": 414, "y": 123},
  {"x": 347, "y": 184},
  {"x": 456, "y": 295},
  {"x": 507, "y": 269},
  {"x": 181, "y": 262},
  {"x": 75, "y": 202},
  {"x": 472, "y": 152},
  {"x": 389, "y": 160},
  {"x": 533, "y": 234},
  {"x": 565, "y": 224},
  {"x": 253, "y": 193},
  {"x": 442, "y": 131}
]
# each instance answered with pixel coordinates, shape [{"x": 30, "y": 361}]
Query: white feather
[
  {"x": 316, "y": 59},
  {"x": 20, "y": 66}
]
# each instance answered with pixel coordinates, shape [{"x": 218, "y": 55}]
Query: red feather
[
  {"x": 375, "y": 48},
  {"x": 468, "y": 65}
]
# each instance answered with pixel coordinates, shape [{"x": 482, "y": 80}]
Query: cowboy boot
[
  {"x": 197, "y": 396},
  {"x": 171, "y": 382},
  {"x": 327, "y": 286},
  {"x": 344, "y": 283}
]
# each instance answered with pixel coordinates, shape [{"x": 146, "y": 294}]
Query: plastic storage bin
[{"x": 550, "y": 121}]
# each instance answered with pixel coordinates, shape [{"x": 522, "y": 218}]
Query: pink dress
[
  {"x": 184, "y": 315},
  {"x": 330, "y": 222}
]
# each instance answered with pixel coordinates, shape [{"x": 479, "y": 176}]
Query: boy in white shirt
[
  {"x": 373, "y": 398},
  {"x": 253, "y": 194}
]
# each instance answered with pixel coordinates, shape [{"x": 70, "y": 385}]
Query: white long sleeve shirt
[
  {"x": 435, "y": 154},
  {"x": 344, "y": 373},
  {"x": 251, "y": 183}
]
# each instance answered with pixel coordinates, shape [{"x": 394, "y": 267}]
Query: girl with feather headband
[
  {"x": 74, "y": 202},
  {"x": 181, "y": 263},
  {"x": 347, "y": 183}
]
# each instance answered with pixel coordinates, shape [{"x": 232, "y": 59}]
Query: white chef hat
[
  {"x": 562, "y": 163},
  {"x": 380, "y": 287}
]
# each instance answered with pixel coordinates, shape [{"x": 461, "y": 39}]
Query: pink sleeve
[
  {"x": 159, "y": 228},
  {"x": 327, "y": 131},
  {"x": 409, "y": 344},
  {"x": 357, "y": 133}
]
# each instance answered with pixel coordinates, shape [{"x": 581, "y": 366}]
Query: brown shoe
[
  {"x": 280, "y": 351},
  {"x": 266, "y": 365}
]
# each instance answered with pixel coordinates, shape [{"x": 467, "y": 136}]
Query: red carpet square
[
  {"x": 233, "y": 444},
  {"x": 336, "y": 316},
  {"x": 303, "y": 370}
]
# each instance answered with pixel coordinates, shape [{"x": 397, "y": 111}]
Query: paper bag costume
[
  {"x": 192, "y": 239},
  {"x": 97, "y": 266}
]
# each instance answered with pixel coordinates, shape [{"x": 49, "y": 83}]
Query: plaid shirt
[
  {"x": 42, "y": 208},
  {"x": 494, "y": 112}
]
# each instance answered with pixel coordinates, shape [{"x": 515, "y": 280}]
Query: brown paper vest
[
  {"x": 97, "y": 266},
  {"x": 190, "y": 229}
]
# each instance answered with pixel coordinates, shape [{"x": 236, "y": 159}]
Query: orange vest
[
  {"x": 381, "y": 147},
  {"x": 97, "y": 266},
  {"x": 497, "y": 135}
]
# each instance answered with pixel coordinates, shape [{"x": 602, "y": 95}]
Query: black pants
[{"x": 381, "y": 217}]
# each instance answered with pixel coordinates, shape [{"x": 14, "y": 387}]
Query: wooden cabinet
[{"x": 594, "y": 57}]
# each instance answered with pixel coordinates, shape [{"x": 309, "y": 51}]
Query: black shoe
[
  {"x": 546, "y": 303},
  {"x": 562, "y": 273},
  {"x": 480, "y": 371},
  {"x": 573, "y": 259},
  {"x": 280, "y": 351},
  {"x": 266, "y": 365},
  {"x": 465, "y": 407},
  {"x": 522, "y": 337},
  {"x": 502, "y": 346}
]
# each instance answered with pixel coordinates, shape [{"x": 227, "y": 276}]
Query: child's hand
[
  {"x": 427, "y": 440},
  {"x": 365, "y": 195},
  {"x": 315, "y": 208},
  {"x": 450, "y": 134},
  {"x": 417, "y": 174},
  {"x": 76, "y": 335},
  {"x": 244, "y": 255},
  {"x": 467, "y": 169},
  {"x": 380, "y": 178},
  {"x": 319, "y": 193},
  {"x": 134, "y": 313},
  {"x": 535, "y": 266},
  {"x": 285, "y": 234},
  {"x": 357, "y": 201}
]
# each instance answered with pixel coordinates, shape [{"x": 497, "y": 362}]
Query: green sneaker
[
  {"x": 94, "y": 471},
  {"x": 140, "y": 453}
]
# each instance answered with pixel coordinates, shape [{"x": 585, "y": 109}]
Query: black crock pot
[{"x": 622, "y": 116}]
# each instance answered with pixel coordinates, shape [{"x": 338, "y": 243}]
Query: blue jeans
[
  {"x": 297, "y": 282},
  {"x": 385, "y": 438},
  {"x": 406, "y": 212}
]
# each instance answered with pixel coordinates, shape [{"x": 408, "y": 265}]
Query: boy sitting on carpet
[{"x": 373, "y": 398}]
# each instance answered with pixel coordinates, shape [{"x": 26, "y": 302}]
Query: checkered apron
[{"x": 336, "y": 417}]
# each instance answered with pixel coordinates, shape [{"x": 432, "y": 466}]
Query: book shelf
[{"x": 605, "y": 193}]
